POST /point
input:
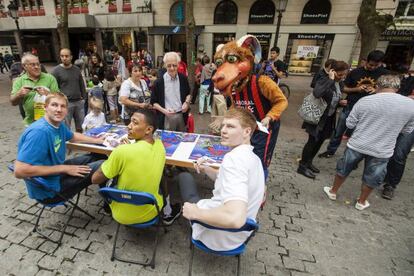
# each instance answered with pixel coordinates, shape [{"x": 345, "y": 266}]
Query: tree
[
  {"x": 189, "y": 37},
  {"x": 62, "y": 26},
  {"x": 371, "y": 25}
]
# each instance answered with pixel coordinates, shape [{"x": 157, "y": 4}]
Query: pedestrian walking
[
  {"x": 71, "y": 83},
  {"x": 2, "y": 66},
  {"x": 359, "y": 83},
  {"x": 205, "y": 85},
  {"x": 197, "y": 78},
  {"x": 134, "y": 94},
  {"x": 377, "y": 121},
  {"x": 33, "y": 81},
  {"x": 118, "y": 63},
  {"x": 8, "y": 60},
  {"x": 171, "y": 97},
  {"x": 110, "y": 87},
  {"x": 329, "y": 88},
  {"x": 405, "y": 142}
]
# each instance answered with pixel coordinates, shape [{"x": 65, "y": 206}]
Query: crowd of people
[{"x": 377, "y": 120}]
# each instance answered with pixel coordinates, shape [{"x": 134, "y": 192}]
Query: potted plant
[{"x": 84, "y": 7}]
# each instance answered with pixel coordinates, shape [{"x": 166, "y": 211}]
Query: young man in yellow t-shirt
[{"x": 138, "y": 167}]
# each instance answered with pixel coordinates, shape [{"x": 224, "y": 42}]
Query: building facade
[{"x": 311, "y": 30}]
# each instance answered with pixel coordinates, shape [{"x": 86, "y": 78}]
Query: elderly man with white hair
[
  {"x": 31, "y": 82},
  {"x": 377, "y": 120},
  {"x": 171, "y": 96}
]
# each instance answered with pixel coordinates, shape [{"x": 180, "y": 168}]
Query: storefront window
[
  {"x": 141, "y": 41},
  {"x": 177, "y": 13},
  {"x": 306, "y": 53},
  {"x": 222, "y": 38},
  {"x": 225, "y": 13},
  {"x": 262, "y": 12}
]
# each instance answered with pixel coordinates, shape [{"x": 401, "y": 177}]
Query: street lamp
[
  {"x": 13, "y": 9},
  {"x": 280, "y": 8}
]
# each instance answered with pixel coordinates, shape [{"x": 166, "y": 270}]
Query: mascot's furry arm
[{"x": 273, "y": 93}]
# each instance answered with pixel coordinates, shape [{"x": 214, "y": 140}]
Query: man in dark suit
[{"x": 171, "y": 97}]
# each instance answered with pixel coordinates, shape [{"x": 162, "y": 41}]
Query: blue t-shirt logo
[{"x": 57, "y": 143}]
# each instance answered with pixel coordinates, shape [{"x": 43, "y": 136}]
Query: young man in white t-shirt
[{"x": 238, "y": 188}]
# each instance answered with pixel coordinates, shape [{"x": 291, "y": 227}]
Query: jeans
[
  {"x": 204, "y": 97},
  {"x": 188, "y": 188},
  {"x": 336, "y": 139},
  {"x": 76, "y": 110},
  {"x": 374, "y": 168},
  {"x": 396, "y": 165}
]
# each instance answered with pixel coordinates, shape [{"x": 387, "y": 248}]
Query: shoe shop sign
[{"x": 316, "y": 12}]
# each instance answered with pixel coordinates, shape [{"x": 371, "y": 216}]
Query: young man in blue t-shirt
[{"x": 41, "y": 152}]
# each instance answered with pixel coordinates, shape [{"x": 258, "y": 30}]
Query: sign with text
[
  {"x": 307, "y": 51},
  {"x": 398, "y": 35},
  {"x": 262, "y": 12},
  {"x": 316, "y": 12},
  {"x": 312, "y": 36}
]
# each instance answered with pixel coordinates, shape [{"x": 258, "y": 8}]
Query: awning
[{"x": 170, "y": 30}]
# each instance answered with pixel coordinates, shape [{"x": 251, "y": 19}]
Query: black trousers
[{"x": 310, "y": 149}]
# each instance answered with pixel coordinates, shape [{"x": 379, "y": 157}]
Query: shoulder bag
[{"x": 312, "y": 109}]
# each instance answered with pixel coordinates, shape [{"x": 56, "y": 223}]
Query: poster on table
[
  {"x": 178, "y": 145},
  {"x": 172, "y": 140},
  {"x": 307, "y": 51},
  {"x": 209, "y": 146}
]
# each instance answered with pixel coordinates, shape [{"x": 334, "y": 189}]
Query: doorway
[{"x": 399, "y": 56}]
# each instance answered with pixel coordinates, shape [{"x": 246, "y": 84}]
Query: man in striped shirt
[{"x": 377, "y": 121}]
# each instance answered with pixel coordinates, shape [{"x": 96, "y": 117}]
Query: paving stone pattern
[{"x": 301, "y": 231}]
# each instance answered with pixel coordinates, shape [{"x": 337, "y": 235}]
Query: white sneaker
[
  {"x": 360, "y": 206},
  {"x": 327, "y": 191}
]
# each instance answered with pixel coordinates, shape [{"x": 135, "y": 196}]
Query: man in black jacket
[{"x": 171, "y": 97}]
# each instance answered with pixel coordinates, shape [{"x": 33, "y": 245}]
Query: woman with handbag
[
  {"x": 328, "y": 88},
  {"x": 134, "y": 94}
]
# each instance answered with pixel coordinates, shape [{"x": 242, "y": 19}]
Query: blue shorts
[{"x": 375, "y": 168}]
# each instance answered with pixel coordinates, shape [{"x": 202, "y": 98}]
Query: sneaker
[
  {"x": 327, "y": 191},
  {"x": 175, "y": 214},
  {"x": 325, "y": 155},
  {"x": 388, "y": 192},
  {"x": 360, "y": 206}
]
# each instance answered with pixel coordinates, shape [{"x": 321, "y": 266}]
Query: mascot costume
[{"x": 234, "y": 78}]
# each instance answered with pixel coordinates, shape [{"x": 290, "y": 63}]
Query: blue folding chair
[
  {"x": 135, "y": 198},
  {"x": 250, "y": 225},
  {"x": 41, "y": 183}
]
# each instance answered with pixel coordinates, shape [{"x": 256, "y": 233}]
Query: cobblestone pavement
[{"x": 301, "y": 231}]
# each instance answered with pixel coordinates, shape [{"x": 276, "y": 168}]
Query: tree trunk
[
  {"x": 62, "y": 26},
  {"x": 189, "y": 37},
  {"x": 371, "y": 24}
]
